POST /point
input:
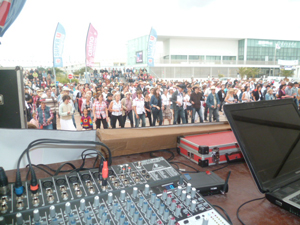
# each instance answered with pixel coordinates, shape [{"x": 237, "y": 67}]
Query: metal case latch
[{"x": 215, "y": 155}]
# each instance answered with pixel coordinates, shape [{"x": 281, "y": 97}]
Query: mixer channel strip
[{"x": 145, "y": 192}]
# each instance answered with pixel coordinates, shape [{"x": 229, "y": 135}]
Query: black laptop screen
[{"x": 271, "y": 138}]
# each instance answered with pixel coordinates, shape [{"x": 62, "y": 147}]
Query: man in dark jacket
[
  {"x": 196, "y": 98},
  {"x": 221, "y": 95},
  {"x": 213, "y": 103},
  {"x": 177, "y": 100}
]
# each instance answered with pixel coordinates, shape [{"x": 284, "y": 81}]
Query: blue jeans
[
  {"x": 137, "y": 121},
  {"x": 215, "y": 112},
  {"x": 178, "y": 111},
  {"x": 199, "y": 111},
  {"x": 157, "y": 114},
  {"x": 49, "y": 127}
]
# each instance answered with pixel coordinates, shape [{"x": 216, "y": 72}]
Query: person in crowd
[
  {"x": 100, "y": 112},
  {"x": 229, "y": 97},
  {"x": 246, "y": 97},
  {"x": 213, "y": 103},
  {"x": 166, "y": 109},
  {"x": 188, "y": 105},
  {"x": 156, "y": 103},
  {"x": 88, "y": 104},
  {"x": 281, "y": 92},
  {"x": 53, "y": 104},
  {"x": 66, "y": 110},
  {"x": 45, "y": 115},
  {"x": 269, "y": 95},
  {"x": 127, "y": 108},
  {"x": 257, "y": 95},
  {"x": 115, "y": 108},
  {"x": 235, "y": 95},
  {"x": 148, "y": 107},
  {"x": 221, "y": 95},
  {"x": 139, "y": 109},
  {"x": 34, "y": 120},
  {"x": 177, "y": 99},
  {"x": 196, "y": 98},
  {"x": 86, "y": 121}
]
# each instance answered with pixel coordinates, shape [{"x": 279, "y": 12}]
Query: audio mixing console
[{"x": 144, "y": 192}]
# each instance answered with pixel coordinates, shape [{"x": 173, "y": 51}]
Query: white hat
[
  {"x": 66, "y": 89},
  {"x": 60, "y": 85},
  {"x": 212, "y": 88},
  {"x": 106, "y": 88}
]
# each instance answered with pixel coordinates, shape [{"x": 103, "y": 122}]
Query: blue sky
[{"x": 117, "y": 21}]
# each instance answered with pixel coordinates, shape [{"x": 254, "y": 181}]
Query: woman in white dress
[
  {"x": 116, "y": 108},
  {"x": 66, "y": 111}
]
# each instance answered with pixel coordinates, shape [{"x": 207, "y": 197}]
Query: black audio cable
[
  {"x": 19, "y": 189},
  {"x": 164, "y": 150},
  {"x": 237, "y": 211},
  {"x": 176, "y": 162}
]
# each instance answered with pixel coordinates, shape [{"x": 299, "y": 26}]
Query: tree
[
  {"x": 82, "y": 70},
  {"x": 242, "y": 71},
  {"x": 287, "y": 73}
]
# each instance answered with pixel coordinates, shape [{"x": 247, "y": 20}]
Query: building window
[
  {"x": 179, "y": 57},
  {"x": 229, "y": 58},
  {"x": 213, "y": 58},
  {"x": 196, "y": 57}
]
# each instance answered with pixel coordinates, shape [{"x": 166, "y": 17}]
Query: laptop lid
[{"x": 268, "y": 133}]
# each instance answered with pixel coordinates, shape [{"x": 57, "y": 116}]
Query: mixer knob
[
  {"x": 147, "y": 189},
  {"x": 140, "y": 221},
  {"x": 67, "y": 208},
  {"x": 2, "y": 220},
  {"x": 132, "y": 209},
  {"x": 149, "y": 212},
  {"x": 180, "y": 180},
  {"x": 179, "y": 189},
  {"x": 135, "y": 216},
  {"x": 153, "y": 218},
  {"x": 52, "y": 211},
  {"x": 193, "y": 206},
  {"x": 82, "y": 204},
  {"x": 119, "y": 212},
  {"x": 165, "y": 194},
  {"x": 161, "y": 208},
  {"x": 188, "y": 187},
  {"x": 145, "y": 206},
  {"x": 122, "y": 219},
  {"x": 166, "y": 214},
  {"x": 86, "y": 214},
  {"x": 178, "y": 211},
  {"x": 116, "y": 184},
  {"x": 104, "y": 217},
  {"x": 171, "y": 221},
  {"x": 137, "y": 179},
  {"x": 122, "y": 195},
  {"x": 101, "y": 211},
  {"x": 54, "y": 221},
  {"x": 173, "y": 205},
  {"x": 110, "y": 198},
  {"x": 126, "y": 223},
  {"x": 129, "y": 169},
  {"x": 134, "y": 192},
  {"x": 183, "y": 195},
  {"x": 112, "y": 178},
  {"x": 157, "y": 203},
  {"x": 205, "y": 221},
  {"x": 115, "y": 207},
  {"x": 169, "y": 199},
  {"x": 188, "y": 200},
  {"x": 193, "y": 192},
  {"x": 72, "y": 219},
  {"x": 141, "y": 201},
  {"x": 96, "y": 201},
  {"x": 128, "y": 203},
  {"x": 133, "y": 174},
  {"x": 89, "y": 220},
  {"x": 36, "y": 215},
  {"x": 153, "y": 196},
  {"x": 107, "y": 222}
]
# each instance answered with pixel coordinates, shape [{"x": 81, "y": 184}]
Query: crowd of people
[{"x": 114, "y": 97}]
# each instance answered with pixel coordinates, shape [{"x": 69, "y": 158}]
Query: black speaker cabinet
[{"x": 12, "y": 100}]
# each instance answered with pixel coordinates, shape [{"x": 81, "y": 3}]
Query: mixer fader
[{"x": 144, "y": 192}]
